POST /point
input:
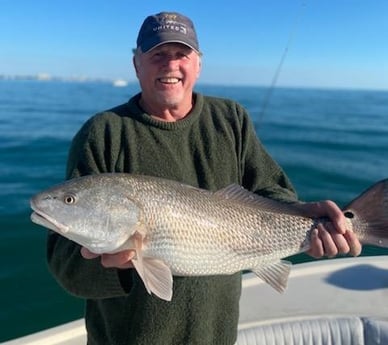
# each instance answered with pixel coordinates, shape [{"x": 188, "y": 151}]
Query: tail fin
[{"x": 369, "y": 215}]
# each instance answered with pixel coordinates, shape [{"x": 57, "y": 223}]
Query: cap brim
[{"x": 171, "y": 41}]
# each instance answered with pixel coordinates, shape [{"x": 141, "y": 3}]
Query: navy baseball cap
[{"x": 167, "y": 27}]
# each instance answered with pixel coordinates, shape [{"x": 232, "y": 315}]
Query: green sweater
[{"x": 214, "y": 146}]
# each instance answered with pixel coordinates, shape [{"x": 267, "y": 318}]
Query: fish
[{"x": 180, "y": 230}]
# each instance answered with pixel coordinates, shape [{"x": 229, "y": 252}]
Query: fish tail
[{"x": 368, "y": 214}]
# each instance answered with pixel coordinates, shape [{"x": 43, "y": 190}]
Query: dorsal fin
[{"x": 241, "y": 195}]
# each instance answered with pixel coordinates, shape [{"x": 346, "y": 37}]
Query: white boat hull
[{"x": 343, "y": 298}]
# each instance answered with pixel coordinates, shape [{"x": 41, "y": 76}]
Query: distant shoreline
[
  {"x": 47, "y": 77},
  {"x": 43, "y": 77}
]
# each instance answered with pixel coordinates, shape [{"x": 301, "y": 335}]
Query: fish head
[{"x": 94, "y": 213}]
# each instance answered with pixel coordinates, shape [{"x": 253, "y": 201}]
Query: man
[{"x": 169, "y": 131}]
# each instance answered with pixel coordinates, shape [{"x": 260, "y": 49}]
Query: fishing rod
[{"x": 275, "y": 78}]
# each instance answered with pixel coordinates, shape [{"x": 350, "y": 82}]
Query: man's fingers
[
  {"x": 316, "y": 250},
  {"x": 87, "y": 254},
  {"x": 326, "y": 241},
  {"x": 339, "y": 239},
  {"x": 329, "y": 244},
  {"x": 354, "y": 244},
  {"x": 118, "y": 260}
]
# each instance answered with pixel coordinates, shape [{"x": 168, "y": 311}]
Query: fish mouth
[{"x": 40, "y": 218}]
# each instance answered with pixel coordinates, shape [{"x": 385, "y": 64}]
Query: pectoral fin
[
  {"x": 275, "y": 275},
  {"x": 154, "y": 273}
]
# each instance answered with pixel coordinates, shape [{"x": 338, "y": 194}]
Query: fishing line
[{"x": 275, "y": 78}]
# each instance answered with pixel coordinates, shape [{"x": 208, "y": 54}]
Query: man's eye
[{"x": 158, "y": 56}]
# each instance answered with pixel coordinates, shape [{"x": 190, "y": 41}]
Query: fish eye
[{"x": 69, "y": 199}]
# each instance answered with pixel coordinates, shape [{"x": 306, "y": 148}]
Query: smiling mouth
[{"x": 169, "y": 80}]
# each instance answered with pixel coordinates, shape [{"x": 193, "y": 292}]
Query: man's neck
[{"x": 167, "y": 113}]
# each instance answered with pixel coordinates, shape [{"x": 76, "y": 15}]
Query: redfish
[{"x": 180, "y": 230}]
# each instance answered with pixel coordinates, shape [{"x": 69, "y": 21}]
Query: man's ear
[
  {"x": 199, "y": 67},
  {"x": 135, "y": 64}
]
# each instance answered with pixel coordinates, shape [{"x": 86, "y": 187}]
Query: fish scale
[{"x": 238, "y": 235}]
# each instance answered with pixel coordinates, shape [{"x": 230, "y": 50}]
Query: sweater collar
[{"x": 136, "y": 111}]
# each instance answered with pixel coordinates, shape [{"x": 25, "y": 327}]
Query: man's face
[{"x": 167, "y": 74}]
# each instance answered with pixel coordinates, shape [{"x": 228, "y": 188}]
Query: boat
[
  {"x": 120, "y": 83},
  {"x": 340, "y": 301}
]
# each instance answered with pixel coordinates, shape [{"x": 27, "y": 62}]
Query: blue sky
[{"x": 330, "y": 43}]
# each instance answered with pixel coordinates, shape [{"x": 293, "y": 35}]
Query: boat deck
[{"x": 349, "y": 289}]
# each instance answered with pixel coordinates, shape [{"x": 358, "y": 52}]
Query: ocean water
[{"x": 332, "y": 144}]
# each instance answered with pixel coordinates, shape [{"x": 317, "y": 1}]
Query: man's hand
[
  {"x": 120, "y": 260},
  {"x": 331, "y": 238}
]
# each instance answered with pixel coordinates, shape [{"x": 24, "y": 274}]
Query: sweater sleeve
[
  {"x": 79, "y": 276},
  {"x": 260, "y": 173}
]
